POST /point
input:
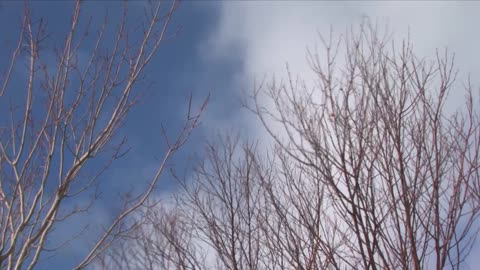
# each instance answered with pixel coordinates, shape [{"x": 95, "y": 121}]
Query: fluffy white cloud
[
  {"x": 271, "y": 34},
  {"x": 274, "y": 33}
]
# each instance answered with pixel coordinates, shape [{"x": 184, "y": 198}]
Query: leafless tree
[
  {"x": 368, "y": 169},
  {"x": 216, "y": 214},
  {"x": 222, "y": 201},
  {"x": 65, "y": 118},
  {"x": 384, "y": 177},
  {"x": 163, "y": 241}
]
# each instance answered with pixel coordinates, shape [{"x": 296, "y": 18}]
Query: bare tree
[
  {"x": 394, "y": 175},
  {"x": 222, "y": 202},
  {"x": 216, "y": 214},
  {"x": 368, "y": 169},
  {"x": 163, "y": 241},
  {"x": 67, "y": 117}
]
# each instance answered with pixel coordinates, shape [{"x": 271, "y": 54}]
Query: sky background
[{"x": 222, "y": 47}]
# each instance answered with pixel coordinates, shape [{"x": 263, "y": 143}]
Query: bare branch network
[
  {"x": 65, "y": 117},
  {"x": 367, "y": 171}
]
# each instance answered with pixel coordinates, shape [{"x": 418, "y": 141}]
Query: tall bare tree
[
  {"x": 222, "y": 203},
  {"x": 64, "y": 118},
  {"x": 394, "y": 174},
  {"x": 368, "y": 169}
]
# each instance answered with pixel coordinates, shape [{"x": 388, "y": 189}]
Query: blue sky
[
  {"x": 221, "y": 49},
  {"x": 177, "y": 71}
]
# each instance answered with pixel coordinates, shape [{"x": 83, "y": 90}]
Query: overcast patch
[{"x": 269, "y": 35}]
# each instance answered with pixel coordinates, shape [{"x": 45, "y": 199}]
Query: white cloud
[{"x": 271, "y": 34}]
